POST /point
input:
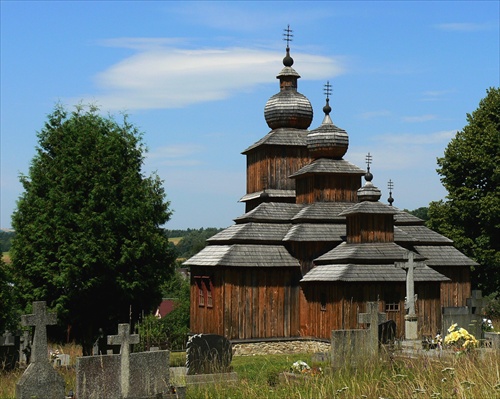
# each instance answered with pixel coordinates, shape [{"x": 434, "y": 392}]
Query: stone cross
[
  {"x": 40, "y": 319},
  {"x": 411, "y": 331},
  {"x": 372, "y": 317},
  {"x": 124, "y": 339}
]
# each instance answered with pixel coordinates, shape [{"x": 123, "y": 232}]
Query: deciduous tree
[
  {"x": 470, "y": 172},
  {"x": 89, "y": 236}
]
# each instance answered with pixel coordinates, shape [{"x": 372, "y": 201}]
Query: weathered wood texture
[
  {"x": 456, "y": 291},
  {"x": 335, "y": 306},
  {"x": 252, "y": 303},
  {"x": 375, "y": 228},
  {"x": 271, "y": 166},
  {"x": 327, "y": 188}
]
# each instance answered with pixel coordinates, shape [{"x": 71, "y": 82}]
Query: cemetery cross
[
  {"x": 411, "y": 331},
  {"x": 40, "y": 319},
  {"x": 124, "y": 339}
]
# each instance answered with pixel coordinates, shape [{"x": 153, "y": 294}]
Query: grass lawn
[{"x": 475, "y": 375}]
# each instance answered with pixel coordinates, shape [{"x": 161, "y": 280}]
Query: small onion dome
[
  {"x": 327, "y": 141},
  {"x": 288, "y": 108},
  {"x": 369, "y": 192}
]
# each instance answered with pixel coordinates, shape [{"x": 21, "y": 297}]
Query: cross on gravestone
[
  {"x": 372, "y": 317},
  {"x": 411, "y": 326},
  {"x": 40, "y": 319},
  {"x": 124, "y": 339},
  {"x": 39, "y": 380}
]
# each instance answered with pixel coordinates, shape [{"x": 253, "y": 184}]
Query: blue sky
[{"x": 195, "y": 77}]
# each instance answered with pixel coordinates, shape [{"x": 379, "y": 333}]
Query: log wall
[
  {"x": 327, "y": 188},
  {"x": 364, "y": 228},
  {"x": 269, "y": 167},
  {"x": 455, "y": 292}
]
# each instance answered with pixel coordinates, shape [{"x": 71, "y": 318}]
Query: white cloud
[
  {"x": 157, "y": 77},
  {"x": 174, "y": 155},
  {"x": 421, "y": 118},
  {"x": 463, "y": 26},
  {"x": 407, "y": 139}
]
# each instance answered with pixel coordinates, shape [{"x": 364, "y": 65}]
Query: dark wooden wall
[
  {"x": 455, "y": 292},
  {"x": 327, "y": 188},
  {"x": 344, "y": 301},
  {"x": 362, "y": 228},
  {"x": 269, "y": 167},
  {"x": 252, "y": 303}
]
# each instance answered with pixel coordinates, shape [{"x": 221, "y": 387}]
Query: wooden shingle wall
[
  {"x": 327, "y": 188},
  {"x": 270, "y": 167}
]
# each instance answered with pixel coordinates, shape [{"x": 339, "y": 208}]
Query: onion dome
[
  {"x": 369, "y": 192},
  {"x": 288, "y": 108},
  {"x": 327, "y": 141}
]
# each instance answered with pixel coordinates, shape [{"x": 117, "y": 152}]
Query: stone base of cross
[{"x": 411, "y": 319}]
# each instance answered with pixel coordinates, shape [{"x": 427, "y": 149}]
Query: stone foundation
[{"x": 281, "y": 347}]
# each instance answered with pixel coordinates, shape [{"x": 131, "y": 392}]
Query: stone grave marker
[
  {"x": 469, "y": 317},
  {"x": 208, "y": 359},
  {"x": 357, "y": 346},
  {"x": 40, "y": 380},
  {"x": 125, "y": 375}
]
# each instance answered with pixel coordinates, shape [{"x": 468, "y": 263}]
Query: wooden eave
[
  {"x": 444, "y": 255},
  {"x": 322, "y": 212},
  {"x": 271, "y": 212},
  {"x": 369, "y": 273},
  {"x": 270, "y": 193},
  {"x": 371, "y": 208},
  {"x": 366, "y": 253},
  {"x": 256, "y": 233},
  {"x": 423, "y": 235},
  {"x": 329, "y": 166},
  {"x": 243, "y": 255},
  {"x": 281, "y": 137},
  {"x": 309, "y": 232}
]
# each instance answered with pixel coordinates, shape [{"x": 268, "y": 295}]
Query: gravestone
[
  {"x": 208, "y": 354},
  {"x": 9, "y": 350},
  {"x": 208, "y": 360},
  {"x": 354, "y": 347},
  {"x": 469, "y": 317},
  {"x": 124, "y": 375},
  {"x": 40, "y": 380}
]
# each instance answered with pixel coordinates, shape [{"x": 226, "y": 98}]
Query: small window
[
  {"x": 208, "y": 286},
  {"x": 201, "y": 294},
  {"x": 322, "y": 299},
  {"x": 392, "y": 307}
]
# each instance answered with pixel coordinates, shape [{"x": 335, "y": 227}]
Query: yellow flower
[{"x": 452, "y": 327}]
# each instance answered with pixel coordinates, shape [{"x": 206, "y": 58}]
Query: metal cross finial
[
  {"x": 390, "y": 186},
  {"x": 368, "y": 161},
  {"x": 328, "y": 89},
  {"x": 288, "y": 35}
]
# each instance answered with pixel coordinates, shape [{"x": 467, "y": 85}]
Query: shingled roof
[
  {"x": 369, "y": 208},
  {"x": 327, "y": 165},
  {"x": 362, "y": 272},
  {"x": 387, "y": 252},
  {"x": 444, "y": 256},
  {"x": 270, "y": 193},
  {"x": 252, "y": 233},
  {"x": 316, "y": 232},
  {"x": 271, "y": 212},
  {"x": 243, "y": 255},
  {"x": 322, "y": 212},
  {"x": 282, "y": 136}
]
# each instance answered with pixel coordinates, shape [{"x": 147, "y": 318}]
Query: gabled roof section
[
  {"x": 327, "y": 165},
  {"x": 306, "y": 232},
  {"x": 444, "y": 256},
  {"x": 367, "y": 207},
  {"x": 404, "y": 218},
  {"x": 423, "y": 235},
  {"x": 367, "y": 253},
  {"x": 251, "y": 233},
  {"x": 269, "y": 193},
  {"x": 282, "y": 136},
  {"x": 241, "y": 255},
  {"x": 320, "y": 212},
  {"x": 269, "y": 212},
  {"x": 357, "y": 272}
]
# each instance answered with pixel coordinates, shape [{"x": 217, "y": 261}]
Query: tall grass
[{"x": 472, "y": 376}]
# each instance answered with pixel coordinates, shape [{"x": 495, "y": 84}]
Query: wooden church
[{"x": 315, "y": 244}]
